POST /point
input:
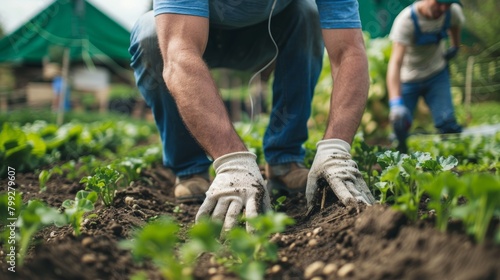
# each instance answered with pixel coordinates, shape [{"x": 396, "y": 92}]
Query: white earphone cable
[{"x": 262, "y": 69}]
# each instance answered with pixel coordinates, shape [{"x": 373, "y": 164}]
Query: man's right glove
[
  {"x": 399, "y": 115},
  {"x": 238, "y": 184},
  {"x": 334, "y": 165}
]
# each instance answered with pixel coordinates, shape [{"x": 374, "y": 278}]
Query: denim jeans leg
[
  {"x": 298, "y": 35},
  {"x": 410, "y": 93},
  {"x": 438, "y": 98},
  {"x": 181, "y": 152}
]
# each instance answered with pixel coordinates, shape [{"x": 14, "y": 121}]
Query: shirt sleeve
[
  {"x": 336, "y": 14},
  {"x": 183, "y": 7},
  {"x": 457, "y": 15}
]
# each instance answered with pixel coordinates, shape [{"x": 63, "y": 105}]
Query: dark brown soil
[{"x": 337, "y": 242}]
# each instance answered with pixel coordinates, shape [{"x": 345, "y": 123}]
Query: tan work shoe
[
  {"x": 191, "y": 188},
  {"x": 289, "y": 177}
]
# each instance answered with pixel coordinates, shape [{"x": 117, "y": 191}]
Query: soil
[{"x": 347, "y": 242}]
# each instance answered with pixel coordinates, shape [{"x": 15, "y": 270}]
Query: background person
[
  {"x": 418, "y": 64},
  {"x": 173, "y": 49}
]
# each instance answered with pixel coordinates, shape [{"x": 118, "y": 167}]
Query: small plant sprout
[
  {"x": 443, "y": 191},
  {"x": 159, "y": 242},
  {"x": 74, "y": 209},
  {"x": 104, "y": 182},
  {"x": 279, "y": 203},
  {"x": 31, "y": 219},
  {"x": 45, "y": 175},
  {"x": 250, "y": 252}
]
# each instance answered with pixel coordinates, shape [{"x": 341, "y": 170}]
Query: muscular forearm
[
  {"x": 200, "y": 105},
  {"x": 182, "y": 41},
  {"x": 351, "y": 83},
  {"x": 348, "y": 98}
]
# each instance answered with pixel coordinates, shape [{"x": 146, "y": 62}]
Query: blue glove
[
  {"x": 450, "y": 53},
  {"x": 399, "y": 114}
]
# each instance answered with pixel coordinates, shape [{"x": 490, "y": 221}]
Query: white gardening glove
[
  {"x": 238, "y": 184},
  {"x": 333, "y": 165}
]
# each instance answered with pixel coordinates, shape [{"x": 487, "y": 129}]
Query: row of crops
[{"x": 455, "y": 179}]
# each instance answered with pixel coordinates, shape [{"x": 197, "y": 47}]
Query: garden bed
[{"x": 337, "y": 242}]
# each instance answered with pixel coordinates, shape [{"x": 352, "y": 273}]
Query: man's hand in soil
[
  {"x": 238, "y": 184},
  {"x": 333, "y": 166}
]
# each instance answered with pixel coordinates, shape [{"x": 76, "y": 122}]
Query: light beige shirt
[{"x": 423, "y": 61}]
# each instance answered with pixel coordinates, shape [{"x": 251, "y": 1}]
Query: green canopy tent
[
  {"x": 75, "y": 25},
  {"x": 69, "y": 32}
]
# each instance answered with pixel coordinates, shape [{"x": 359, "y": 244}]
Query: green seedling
[
  {"x": 32, "y": 218},
  {"x": 159, "y": 241},
  {"x": 45, "y": 175},
  {"x": 279, "y": 203},
  {"x": 443, "y": 192},
  {"x": 402, "y": 177},
  {"x": 482, "y": 192},
  {"x": 366, "y": 158},
  {"x": 131, "y": 169},
  {"x": 104, "y": 182},
  {"x": 250, "y": 252},
  {"x": 75, "y": 209}
]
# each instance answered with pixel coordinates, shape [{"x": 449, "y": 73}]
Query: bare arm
[
  {"x": 454, "y": 33},
  {"x": 182, "y": 42},
  {"x": 349, "y": 64},
  {"x": 394, "y": 70}
]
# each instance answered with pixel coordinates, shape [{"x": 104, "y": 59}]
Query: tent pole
[{"x": 64, "y": 88}]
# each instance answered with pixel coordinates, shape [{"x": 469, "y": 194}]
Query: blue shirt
[{"x": 240, "y": 13}]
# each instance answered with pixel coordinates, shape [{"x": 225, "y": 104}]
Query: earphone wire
[{"x": 262, "y": 69}]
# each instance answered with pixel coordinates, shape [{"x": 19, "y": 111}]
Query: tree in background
[{"x": 482, "y": 19}]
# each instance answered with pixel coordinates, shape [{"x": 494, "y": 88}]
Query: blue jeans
[
  {"x": 298, "y": 35},
  {"x": 437, "y": 95}
]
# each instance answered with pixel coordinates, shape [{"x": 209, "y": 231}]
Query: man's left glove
[
  {"x": 334, "y": 165},
  {"x": 238, "y": 184},
  {"x": 450, "y": 53}
]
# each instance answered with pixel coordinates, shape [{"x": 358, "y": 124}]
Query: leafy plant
[
  {"x": 444, "y": 191},
  {"x": 130, "y": 167},
  {"x": 402, "y": 177},
  {"x": 75, "y": 209},
  {"x": 45, "y": 175},
  {"x": 159, "y": 242},
  {"x": 483, "y": 199},
  {"x": 104, "y": 182},
  {"x": 279, "y": 203},
  {"x": 366, "y": 157},
  {"x": 250, "y": 251},
  {"x": 32, "y": 218}
]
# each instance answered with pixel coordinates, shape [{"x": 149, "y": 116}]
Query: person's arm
[
  {"x": 349, "y": 64},
  {"x": 333, "y": 163},
  {"x": 182, "y": 41},
  {"x": 238, "y": 184},
  {"x": 394, "y": 71},
  {"x": 454, "y": 33}
]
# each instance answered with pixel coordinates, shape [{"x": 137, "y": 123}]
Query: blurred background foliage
[{"x": 481, "y": 20}]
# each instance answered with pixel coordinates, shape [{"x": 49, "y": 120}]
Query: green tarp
[{"x": 73, "y": 24}]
